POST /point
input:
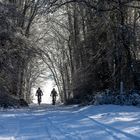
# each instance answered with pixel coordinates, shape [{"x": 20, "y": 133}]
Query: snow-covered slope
[{"x": 46, "y": 122}]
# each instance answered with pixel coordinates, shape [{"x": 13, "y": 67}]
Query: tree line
[{"x": 87, "y": 45}]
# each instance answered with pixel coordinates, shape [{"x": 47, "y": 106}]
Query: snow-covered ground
[{"x": 46, "y": 122}]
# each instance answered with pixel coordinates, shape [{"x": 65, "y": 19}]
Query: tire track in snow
[
  {"x": 109, "y": 130},
  {"x": 52, "y": 128},
  {"x": 28, "y": 124},
  {"x": 115, "y": 133},
  {"x": 64, "y": 135}
]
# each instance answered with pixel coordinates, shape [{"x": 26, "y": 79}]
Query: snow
[{"x": 47, "y": 122}]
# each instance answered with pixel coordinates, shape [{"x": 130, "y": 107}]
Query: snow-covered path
[{"x": 46, "y": 122}]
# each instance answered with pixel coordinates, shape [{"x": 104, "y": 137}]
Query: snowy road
[{"x": 46, "y": 122}]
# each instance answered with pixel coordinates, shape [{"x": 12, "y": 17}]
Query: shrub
[{"x": 129, "y": 98}]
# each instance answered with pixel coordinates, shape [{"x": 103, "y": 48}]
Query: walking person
[
  {"x": 53, "y": 94},
  {"x": 39, "y": 95}
]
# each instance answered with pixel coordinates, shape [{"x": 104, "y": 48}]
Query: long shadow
[{"x": 115, "y": 130}]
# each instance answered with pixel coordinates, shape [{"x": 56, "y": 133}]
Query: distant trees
[
  {"x": 88, "y": 45},
  {"x": 14, "y": 48},
  {"x": 103, "y": 45},
  {"x": 98, "y": 45},
  {"x": 21, "y": 58}
]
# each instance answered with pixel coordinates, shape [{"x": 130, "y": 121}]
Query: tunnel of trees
[{"x": 87, "y": 45}]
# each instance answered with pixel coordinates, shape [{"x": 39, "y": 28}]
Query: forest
[{"x": 90, "y": 48}]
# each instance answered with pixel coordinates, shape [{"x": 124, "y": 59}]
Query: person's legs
[
  {"x": 53, "y": 100},
  {"x": 39, "y": 100}
]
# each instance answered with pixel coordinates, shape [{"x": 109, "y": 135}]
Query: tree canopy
[{"x": 86, "y": 45}]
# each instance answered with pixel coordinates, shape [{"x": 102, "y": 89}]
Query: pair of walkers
[{"x": 39, "y": 94}]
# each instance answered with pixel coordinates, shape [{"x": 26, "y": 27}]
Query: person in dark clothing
[
  {"x": 39, "y": 94},
  {"x": 53, "y": 94}
]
